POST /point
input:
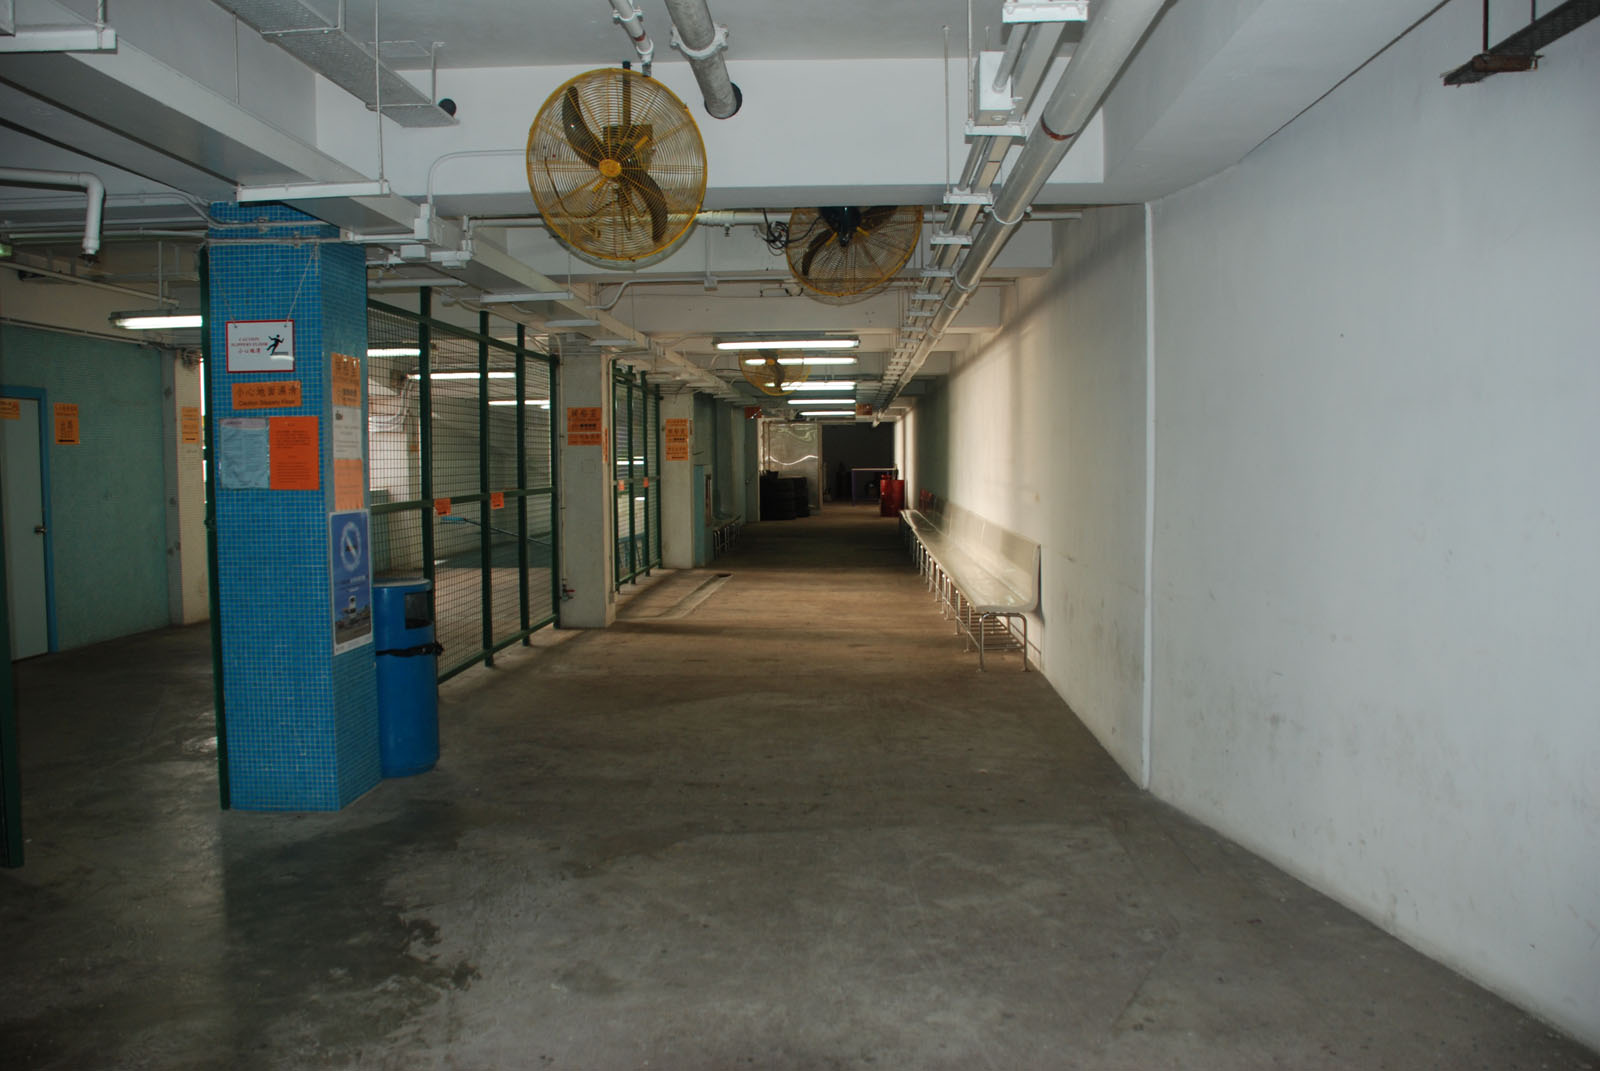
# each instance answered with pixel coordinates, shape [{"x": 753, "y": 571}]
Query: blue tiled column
[{"x": 301, "y": 721}]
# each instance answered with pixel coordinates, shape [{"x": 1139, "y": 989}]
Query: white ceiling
[{"x": 845, "y": 102}]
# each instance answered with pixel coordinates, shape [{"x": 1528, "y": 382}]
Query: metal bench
[
  {"x": 724, "y": 534},
  {"x": 984, "y": 575}
]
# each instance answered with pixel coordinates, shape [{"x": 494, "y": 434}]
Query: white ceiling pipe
[
  {"x": 89, "y": 183},
  {"x": 1008, "y": 59},
  {"x": 702, "y": 42},
  {"x": 632, "y": 20},
  {"x": 1108, "y": 42}
]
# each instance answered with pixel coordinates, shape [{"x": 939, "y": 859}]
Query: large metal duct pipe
[
  {"x": 89, "y": 183},
  {"x": 702, "y": 41},
  {"x": 1109, "y": 40}
]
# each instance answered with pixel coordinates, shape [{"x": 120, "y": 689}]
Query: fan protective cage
[
  {"x": 777, "y": 374},
  {"x": 840, "y": 274},
  {"x": 616, "y": 165}
]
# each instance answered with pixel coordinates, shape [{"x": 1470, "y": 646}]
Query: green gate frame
[
  {"x": 635, "y": 438},
  {"x": 428, "y": 329}
]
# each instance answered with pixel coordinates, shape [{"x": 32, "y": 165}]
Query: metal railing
[{"x": 461, "y": 451}]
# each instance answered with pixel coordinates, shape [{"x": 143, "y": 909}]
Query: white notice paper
[{"x": 347, "y": 433}]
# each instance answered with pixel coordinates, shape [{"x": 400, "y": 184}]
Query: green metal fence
[
  {"x": 636, "y": 448},
  {"x": 460, "y": 461}
]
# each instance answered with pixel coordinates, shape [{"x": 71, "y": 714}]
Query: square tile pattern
[{"x": 302, "y": 724}]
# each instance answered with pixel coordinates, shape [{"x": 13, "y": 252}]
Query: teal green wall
[{"x": 107, "y": 517}]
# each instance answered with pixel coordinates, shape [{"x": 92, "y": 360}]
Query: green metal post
[
  {"x": 616, "y": 540},
  {"x": 522, "y": 478},
  {"x": 633, "y": 514},
  {"x": 657, "y": 502},
  {"x": 425, "y": 435},
  {"x": 485, "y": 531},
  {"x": 555, "y": 494},
  {"x": 10, "y": 772},
  {"x": 644, "y": 455},
  {"x": 214, "y": 594}
]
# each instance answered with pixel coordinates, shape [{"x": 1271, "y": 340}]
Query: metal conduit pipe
[
  {"x": 1008, "y": 59},
  {"x": 1108, "y": 42},
  {"x": 632, "y": 20},
  {"x": 89, "y": 183},
  {"x": 702, "y": 42}
]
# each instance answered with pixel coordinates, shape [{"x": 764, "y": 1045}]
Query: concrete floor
[{"x": 788, "y": 827}]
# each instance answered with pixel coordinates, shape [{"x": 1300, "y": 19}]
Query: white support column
[
  {"x": 188, "y": 593},
  {"x": 588, "y": 527},
  {"x": 677, "y": 497}
]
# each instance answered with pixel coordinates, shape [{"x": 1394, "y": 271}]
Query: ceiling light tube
[
  {"x": 143, "y": 321},
  {"x": 575, "y": 322},
  {"x": 822, "y": 384},
  {"x": 802, "y": 360},
  {"x": 829, "y": 412},
  {"x": 511, "y": 297},
  {"x": 542, "y": 403},
  {"x": 791, "y": 344},
  {"x": 464, "y": 375},
  {"x": 395, "y": 351}
]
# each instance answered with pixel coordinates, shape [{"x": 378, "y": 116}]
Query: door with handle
[{"x": 24, "y": 484}]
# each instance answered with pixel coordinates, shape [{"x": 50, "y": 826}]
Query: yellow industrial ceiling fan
[{"x": 617, "y": 167}]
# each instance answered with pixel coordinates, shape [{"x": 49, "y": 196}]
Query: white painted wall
[
  {"x": 1042, "y": 431},
  {"x": 1375, "y": 499},
  {"x": 1378, "y": 508}
]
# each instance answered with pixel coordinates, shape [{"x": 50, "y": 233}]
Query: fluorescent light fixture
[
  {"x": 395, "y": 351},
  {"x": 616, "y": 343},
  {"x": 157, "y": 321},
  {"x": 819, "y": 403},
  {"x": 822, "y": 384},
  {"x": 803, "y": 360},
  {"x": 464, "y": 375},
  {"x": 542, "y": 403},
  {"x": 828, "y": 412},
  {"x": 579, "y": 321},
  {"x": 412, "y": 284},
  {"x": 511, "y": 297},
  {"x": 791, "y": 344}
]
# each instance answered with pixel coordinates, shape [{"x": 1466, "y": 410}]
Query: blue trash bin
[{"x": 408, "y": 690}]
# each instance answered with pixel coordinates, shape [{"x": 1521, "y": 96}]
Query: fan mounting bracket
[
  {"x": 1045, "y": 11},
  {"x": 968, "y": 197}
]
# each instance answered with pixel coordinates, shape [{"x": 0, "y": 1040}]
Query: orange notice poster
[
  {"x": 584, "y": 427},
  {"x": 272, "y": 394},
  {"x": 497, "y": 500},
  {"x": 441, "y": 506},
  {"x": 66, "y": 424},
  {"x": 346, "y": 372},
  {"x": 676, "y": 437},
  {"x": 292, "y": 449},
  {"x": 10, "y": 409},
  {"x": 189, "y": 423},
  {"x": 349, "y": 484}
]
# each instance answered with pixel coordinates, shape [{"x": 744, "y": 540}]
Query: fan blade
[
  {"x": 639, "y": 180},
  {"x": 579, "y": 136},
  {"x": 813, "y": 249},
  {"x": 877, "y": 216}
]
